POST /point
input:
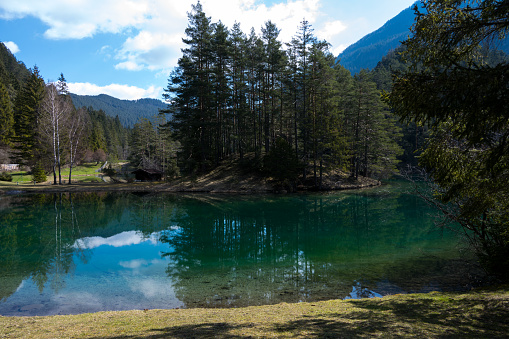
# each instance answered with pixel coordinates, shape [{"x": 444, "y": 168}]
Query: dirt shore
[{"x": 214, "y": 182}]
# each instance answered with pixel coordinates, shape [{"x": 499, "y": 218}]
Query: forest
[
  {"x": 289, "y": 106},
  {"x": 286, "y": 110},
  {"x": 43, "y": 132}
]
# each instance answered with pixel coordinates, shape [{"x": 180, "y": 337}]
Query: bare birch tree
[
  {"x": 55, "y": 110},
  {"x": 77, "y": 128}
]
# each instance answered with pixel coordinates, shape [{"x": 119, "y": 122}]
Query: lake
[{"x": 87, "y": 252}]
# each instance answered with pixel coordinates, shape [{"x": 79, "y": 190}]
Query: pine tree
[
  {"x": 191, "y": 94},
  {"x": 26, "y": 110},
  {"x": 6, "y": 117},
  {"x": 303, "y": 42},
  {"x": 274, "y": 65},
  {"x": 62, "y": 85},
  {"x": 373, "y": 130},
  {"x": 220, "y": 53},
  {"x": 453, "y": 86},
  {"x": 238, "y": 74}
]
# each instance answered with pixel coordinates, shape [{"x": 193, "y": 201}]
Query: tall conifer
[
  {"x": 26, "y": 109},
  {"x": 6, "y": 117}
]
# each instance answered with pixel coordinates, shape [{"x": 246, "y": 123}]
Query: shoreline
[
  {"x": 474, "y": 314},
  {"x": 178, "y": 186}
]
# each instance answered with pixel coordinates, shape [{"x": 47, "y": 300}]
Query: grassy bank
[
  {"x": 82, "y": 173},
  {"x": 478, "y": 314}
]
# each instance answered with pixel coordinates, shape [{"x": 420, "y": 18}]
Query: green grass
[
  {"x": 21, "y": 176},
  {"x": 85, "y": 169},
  {"x": 477, "y": 314},
  {"x": 79, "y": 173},
  {"x": 90, "y": 179}
]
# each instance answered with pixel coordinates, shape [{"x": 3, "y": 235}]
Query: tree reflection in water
[{"x": 224, "y": 251}]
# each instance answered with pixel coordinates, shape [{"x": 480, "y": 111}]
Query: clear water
[{"x": 88, "y": 252}]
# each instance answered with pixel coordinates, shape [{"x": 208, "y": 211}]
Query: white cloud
[
  {"x": 338, "y": 49},
  {"x": 124, "y": 92},
  {"x": 159, "y": 25},
  {"x": 129, "y": 66},
  {"x": 79, "y": 19},
  {"x": 134, "y": 264},
  {"x": 330, "y": 30},
  {"x": 158, "y": 44},
  {"x": 12, "y": 47}
]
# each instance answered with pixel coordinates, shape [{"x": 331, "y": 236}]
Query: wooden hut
[{"x": 148, "y": 174}]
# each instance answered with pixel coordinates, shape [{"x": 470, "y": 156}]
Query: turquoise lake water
[{"x": 88, "y": 252}]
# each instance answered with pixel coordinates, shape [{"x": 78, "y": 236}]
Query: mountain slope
[
  {"x": 12, "y": 72},
  {"x": 368, "y": 51},
  {"x": 128, "y": 111}
]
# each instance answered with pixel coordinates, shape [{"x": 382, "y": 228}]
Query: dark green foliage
[
  {"x": 12, "y": 72},
  {"x": 462, "y": 91},
  {"x": 28, "y": 100},
  {"x": 4, "y": 176},
  {"x": 413, "y": 134},
  {"x": 234, "y": 94},
  {"x": 373, "y": 131},
  {"x": 38, "y": 173},
  {"x": 153, "y": 148},
  {"x": 128, "y": 111},
  {"x": 6, "y": 117},
  {"x": 195, "y": 119},
  {"x": 109, "y": 171},
  {"x": 282, "y": 165},
  {"x": 108, "y": 134}
]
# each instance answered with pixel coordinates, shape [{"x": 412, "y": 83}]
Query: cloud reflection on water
[{"x": 117, "y": 240}]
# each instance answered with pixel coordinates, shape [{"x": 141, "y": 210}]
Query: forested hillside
[
  {"x": 128, "y": 111},
  {"x": 368, "y": 51},
  {"x": 41, "y": 129}
]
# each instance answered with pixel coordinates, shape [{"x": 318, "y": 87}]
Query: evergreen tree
[
  {"x": 220, "y": 78},
  {"x": 6, "y": 117},
  {"x": 26, "y": 110},
  {"x": 191, "y": 94},
  {"x": 232, "y": 94},
  {"x": 62, "y": 85},
  {"x": 238, "y": 74},
  {"x": 303, "y": 42},
  {"x": 452, "y": 86},
  {"x": 274, "y": 65},
  {"x": 374, "y": 133},
  {"x": 327, "y": 139},
  {"x": 254, "y": 59},
  {"x": 38, "y": 173}
]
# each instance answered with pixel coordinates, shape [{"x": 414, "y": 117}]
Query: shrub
[
  {"x": 4, "y": 176},
  {"x": 38, "y": 174},
  {"x": 109, "y": 171}
]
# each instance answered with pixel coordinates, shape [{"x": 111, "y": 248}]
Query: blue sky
[{"x": 127, "y": 48}]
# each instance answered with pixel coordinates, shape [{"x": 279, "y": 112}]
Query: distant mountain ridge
[
  {"x": 128, "y": 111},
  {"x": 369, "y": 50}
]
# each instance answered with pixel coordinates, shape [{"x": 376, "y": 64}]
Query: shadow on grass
[
  {"x": 419, "y": 317},
  {"x": 475, "y": 316},
  {"x": 208, "y": 330}
]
